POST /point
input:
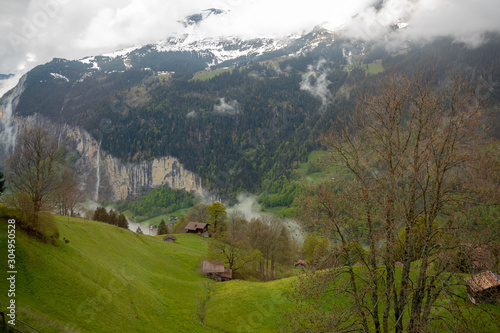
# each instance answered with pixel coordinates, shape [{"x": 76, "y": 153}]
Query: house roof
[
  {"x": 213, "y": 267},
  {"x": 195, "y": 225},
  {"x": 299, "y": 262},
  {"x": 169, "y": 237},
  {"x": 483, "y": 281}
]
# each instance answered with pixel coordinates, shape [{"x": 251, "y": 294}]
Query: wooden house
[
  {"x": 196, "y": 228},
  {"x": 483, "y": 287},
  {"x": 215, "y": 270},
  {"x": 300, "y": 263}
]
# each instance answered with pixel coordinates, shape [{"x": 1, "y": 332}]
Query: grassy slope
[
  {"x": 242, "y": 306},
  {"x": 107, "y": 279}
]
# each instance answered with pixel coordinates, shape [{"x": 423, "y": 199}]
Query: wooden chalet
[
  {"x": 196, "y": 228},
  {"x": 215, "y": 270},
  {"x": 483, "y": 287}
]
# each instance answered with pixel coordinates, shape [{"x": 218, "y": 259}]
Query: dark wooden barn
[
  {"x": 215, "y": 270},
  {"x": 169, "y": 238}
]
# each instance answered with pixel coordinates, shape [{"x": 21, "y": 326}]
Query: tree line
[
  {"x": 112, "y": 217},
  {"x": 160, "y": 201}
]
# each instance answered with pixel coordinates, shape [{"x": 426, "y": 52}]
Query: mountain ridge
[{"x": 242, "y": 127}]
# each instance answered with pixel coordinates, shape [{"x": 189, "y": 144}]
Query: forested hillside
[{"x": 246, "y": 127}]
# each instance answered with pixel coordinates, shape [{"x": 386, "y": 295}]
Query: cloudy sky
[{"x": 35, "y": 31}]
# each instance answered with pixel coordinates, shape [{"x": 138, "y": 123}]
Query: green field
[
  {"x": 206, "y": 75},
  {"x": 108, "y": 279},
  {"x": 317, "y": 169},
  {"x": 375, "y": 67}
]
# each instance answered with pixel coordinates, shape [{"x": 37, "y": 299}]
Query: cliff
[{"x": 103, "y": 176}]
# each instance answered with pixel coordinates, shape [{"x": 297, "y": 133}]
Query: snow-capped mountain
[
  {"x": 202, "y": 53},
  {"x": 157, "y": 100},
  {"x": 192, "y": 51}
]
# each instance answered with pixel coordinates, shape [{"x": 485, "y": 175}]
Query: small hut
[
  {"x": 215, "y": 270},
  {"x": 300, "y": 263},
  {"x": 196, "y": 228},
  {"x": 483, "y": 287},
  {"x": 169, "y": 238}
]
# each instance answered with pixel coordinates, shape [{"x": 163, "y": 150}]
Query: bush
[{"x": 40, "y": 225}]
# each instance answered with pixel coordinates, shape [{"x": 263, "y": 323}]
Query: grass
[
  {"x": 375, "y": 67},
  {"x": 206, "y": 75},
  {"x": 107, "y": 279},
  {"x": 247, "y": 306},
  {"x": 154, "y": 220},
  {"x": 316, "y": 169},
  {"x": 371, "y": 68}
]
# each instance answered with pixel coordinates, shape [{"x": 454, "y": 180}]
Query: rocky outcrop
[
  {"x": 120, "y": 180},
  {"x": 103, "y": 176}
]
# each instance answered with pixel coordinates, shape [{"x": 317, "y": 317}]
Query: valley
[{"x": 336, "y": 183}]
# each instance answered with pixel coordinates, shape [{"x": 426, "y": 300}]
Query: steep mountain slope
[
  {"x": 243, "y": 127},
  {"x": 107, "y": 279}
]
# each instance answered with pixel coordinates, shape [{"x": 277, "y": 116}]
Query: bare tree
[
  {"x": 269, "y": 235},
  {"x": 69, "y": 195},
  {"x": 406, "y": 160},
  {"x": 35, "y": 169}
]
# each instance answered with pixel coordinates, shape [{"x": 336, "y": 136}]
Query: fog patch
[
  {"x": 248, "y": 205},
  {"x": 296, "y": 231},
  {"x": 230, "y": 108},
  {"x": 145, "y": 228},
  {"x": 316, "y": 83}
]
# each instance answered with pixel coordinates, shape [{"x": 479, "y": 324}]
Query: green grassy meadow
[
  {"x": 108, "y": 279},
  {"x": 206, "y": 75}
]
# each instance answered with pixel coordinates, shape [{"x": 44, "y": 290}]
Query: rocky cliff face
[
  {"x": 103, "y": 176},
  {"x": 108, "y": 177}
]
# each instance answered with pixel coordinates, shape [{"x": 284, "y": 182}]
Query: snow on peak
[{"x": 59, "y": 76}]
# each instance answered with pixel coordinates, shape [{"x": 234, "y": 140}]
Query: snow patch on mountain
[
  {"x": 91, "y": 60},
  {"x": 59, "y": 76},
  {"x": 122, "y": 52},
  {"x": 221, "y": 49}
]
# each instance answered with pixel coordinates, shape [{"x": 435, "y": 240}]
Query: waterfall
[
  {"x": 8, "y": 135},
  {"x": 98, "y": 173}
]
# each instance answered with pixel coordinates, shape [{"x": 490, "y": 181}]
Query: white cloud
[{"x": 74, "y": 29}]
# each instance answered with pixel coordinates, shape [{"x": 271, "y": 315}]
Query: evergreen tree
[
  {"x": 122, "y": 222},
  {"x": 162, "y": 228},
  {"x": 100, "y": 214},
  {"x": 139, "y": 230},
  {"x": 112, "y": 218}
]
